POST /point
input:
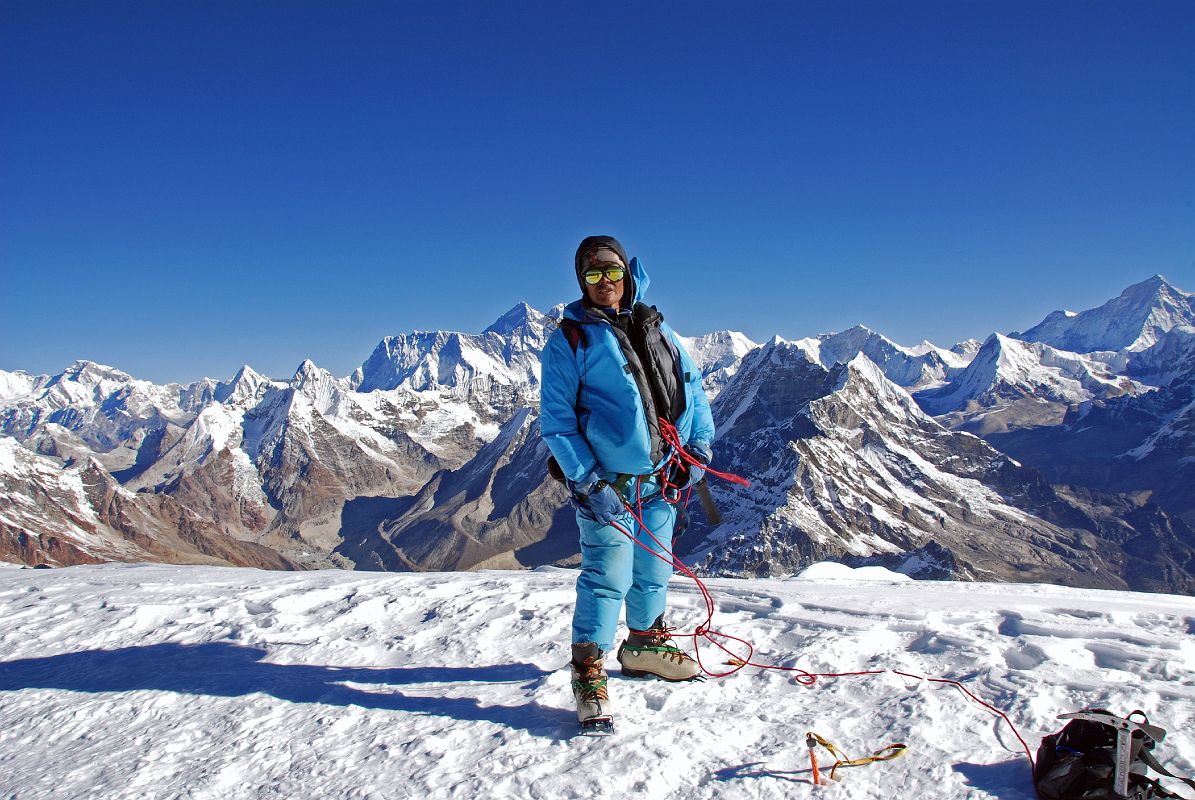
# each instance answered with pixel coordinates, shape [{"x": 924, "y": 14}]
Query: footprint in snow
[{"x": 1025, "y": 657}]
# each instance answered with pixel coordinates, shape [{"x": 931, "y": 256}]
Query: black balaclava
[{"x": 592, "y": 243}]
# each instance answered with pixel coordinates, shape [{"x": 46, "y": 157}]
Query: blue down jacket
[{"x": 592, "y": 413}]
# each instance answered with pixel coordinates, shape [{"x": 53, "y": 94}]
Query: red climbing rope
[
  {"x": 706, "y": 631},
  {"x": 671, "y": 435}
]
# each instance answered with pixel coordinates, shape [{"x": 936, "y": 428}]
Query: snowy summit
[{"x": 216, "y": 683}]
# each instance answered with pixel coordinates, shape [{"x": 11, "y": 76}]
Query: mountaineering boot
[
  {"x": 652, "y": 652},
  {"x": 589, "y": 689}
]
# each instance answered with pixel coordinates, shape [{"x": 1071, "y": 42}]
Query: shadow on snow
[
  {"x": 1008, "y": 780},
  {"x": 222, "y": 669},
  {"x": 758, "y": 769}
]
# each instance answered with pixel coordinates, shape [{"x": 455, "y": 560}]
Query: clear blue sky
[{"x": 188, "y": 186}]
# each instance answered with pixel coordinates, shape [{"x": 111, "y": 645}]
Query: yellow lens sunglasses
[{"x": 594, "y": 277}]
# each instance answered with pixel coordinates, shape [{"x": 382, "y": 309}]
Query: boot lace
[
  {"x": 659, "y": 640},
  {"x": 590, "y": 680}
]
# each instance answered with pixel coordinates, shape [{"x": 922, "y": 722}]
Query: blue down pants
[{"x": 614, "y": 569}]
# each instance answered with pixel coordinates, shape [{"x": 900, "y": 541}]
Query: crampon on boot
[
  {"x": 589, "y": 690},
  {"x": 652, "y": 652}
]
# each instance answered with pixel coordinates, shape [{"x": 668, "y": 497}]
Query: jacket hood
[
  {"x": 639, "y": 283},
  {"x": 596, "y": 243}
]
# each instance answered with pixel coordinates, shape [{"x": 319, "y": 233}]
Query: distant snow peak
[
  {"x": 319, "y": 385},
  {"x": 878, "y": 385},
  {"x": 307, "y": 371},
  {"x": 967, "y": 349},
  {"x": 19, "y": 385},
  {"x": 91, "y": 373},
  {"x": 248, "y": 376},
  {"x": 245, "y": 389},
  {"x": 505, "y": 354},
  {"x": 521, "y": 317},
  {"x": 718, "y": 355},
  {"x": 1133, "y": 321},
  {"x": 912, "y": 368},
  {"x": 1007, "y": 369},
  {"x": 1171, "y": 358}
]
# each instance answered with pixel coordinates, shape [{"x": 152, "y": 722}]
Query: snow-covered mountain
[
  {"x": 82, "y": 515},
  {"x": 427, "y": 456},
  {"x": 911, "y": 367},
  {"x": 291, "y": 463},
  {"x": 152, "y": 683},
  {"x": 846, "y": 466},
  {"x": 1143, "y": 441},
  {"x": 245, "y": 390},
  {"x": 1031, "y": 379},
  {"x": 497, "y": 366},
  {"x": 1133, "y": 321},
  {"x": 1171, "y": 358},
  {"x": 718, "y": 355},
  {"x": 88, "y": 409},
  {"x": 20, "y": 385},
  {"x": 287, "y": 464},
  {"x": 1012, "y": 383}
]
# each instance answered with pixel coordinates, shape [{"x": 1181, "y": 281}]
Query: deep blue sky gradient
[{"x": 188, "y": 186}]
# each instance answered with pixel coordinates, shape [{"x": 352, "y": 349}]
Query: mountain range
[{"x": 1064, "y": 454}]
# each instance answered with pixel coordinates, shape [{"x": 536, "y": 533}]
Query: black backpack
[{"x": 1100, "y": 756}]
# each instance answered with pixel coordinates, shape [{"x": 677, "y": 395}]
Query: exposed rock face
[
  {"x": 1158, "y": 550},
  {"x": 428, "y": 456},
  {"x": 1127, "y": 444},
  {"x": 82, "y": 515},
  {"x": 309, "y": 469},
  {"x": 280, "y": 471},
  {"x": 499, "y": 510},
  {"x": 847, "y": 467}
]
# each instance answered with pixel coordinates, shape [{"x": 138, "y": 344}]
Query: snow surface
[{"x": 154, "y": 681}]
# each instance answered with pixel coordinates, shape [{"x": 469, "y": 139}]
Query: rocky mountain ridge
[
  {"x": 427, "y": 456},
  {"x": 848, "y": 467}
]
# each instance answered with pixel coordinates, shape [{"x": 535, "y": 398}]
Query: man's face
[{"x": 606, "y": 293}]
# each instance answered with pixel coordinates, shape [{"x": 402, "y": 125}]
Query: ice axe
[
  {"x": 707, "y": 502},
  {"x": 1125, "y": 729}
]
